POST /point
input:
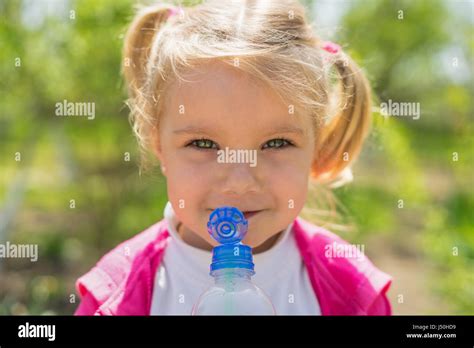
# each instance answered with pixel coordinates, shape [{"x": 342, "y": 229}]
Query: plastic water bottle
[{"x": 233, "y": 292}]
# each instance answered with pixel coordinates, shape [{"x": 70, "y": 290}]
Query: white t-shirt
[{"x": 184, "y": 274}]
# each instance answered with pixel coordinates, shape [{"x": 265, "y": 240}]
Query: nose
[{"x": 240, "y": 178}]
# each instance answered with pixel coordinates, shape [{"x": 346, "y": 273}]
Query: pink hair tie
[
  {"x": 173, "y": 11},
  {"x": 331, "y": 47}
]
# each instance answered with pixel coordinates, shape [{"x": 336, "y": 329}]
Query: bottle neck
[{"x": 222, "y": 275}]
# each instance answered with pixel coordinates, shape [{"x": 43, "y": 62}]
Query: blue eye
[
  {"x": 203, "y": 144},
  {"x": 278, "y": 143}
]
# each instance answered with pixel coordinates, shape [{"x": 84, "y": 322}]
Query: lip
[
  {"x": 250, "y": 214},
  {"x": 247, "y": 214}
]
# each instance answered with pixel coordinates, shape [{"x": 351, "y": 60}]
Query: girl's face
[{"x": 221, "y": 108}]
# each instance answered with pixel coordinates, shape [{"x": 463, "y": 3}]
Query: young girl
[{"x": 247, "y": 78}]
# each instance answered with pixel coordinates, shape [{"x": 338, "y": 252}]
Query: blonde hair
[{"x": 272, "y": 41}]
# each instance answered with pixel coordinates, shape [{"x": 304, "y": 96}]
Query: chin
[{"x": 253, "y": 243}]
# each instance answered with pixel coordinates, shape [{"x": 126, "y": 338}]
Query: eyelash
[{"x": 192, "y": 143}]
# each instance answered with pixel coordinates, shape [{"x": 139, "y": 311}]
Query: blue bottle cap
[
  {"x": 232, "y": 256},
  {"x": 228, "y": 226}
]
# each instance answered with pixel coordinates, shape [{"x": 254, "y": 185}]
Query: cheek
[
  {"x": 188, "y": 182},
  {"x": 290, "y": 191},
  {"x": 288, "y": 181},
  {"x": 288, "y": 178}
]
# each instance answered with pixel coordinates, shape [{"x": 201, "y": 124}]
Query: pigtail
[
  {"x": 340, "y": 141},
  {"x": 138, "y": 41}
]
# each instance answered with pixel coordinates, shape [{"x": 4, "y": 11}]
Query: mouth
[{"x": 247, "y": 214}]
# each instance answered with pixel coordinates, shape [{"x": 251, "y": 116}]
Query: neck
[
  {"x": 193, "y": 239},
  {"x": 270, "y": 242}
]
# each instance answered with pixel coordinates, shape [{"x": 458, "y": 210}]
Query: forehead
[{"x": 219, "y": 95}]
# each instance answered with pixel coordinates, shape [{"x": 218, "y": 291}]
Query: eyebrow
[
  {"x": 286, "y": 130},
  {"x": 193, "y": 130},
  {"x": 278, "y": 130}
]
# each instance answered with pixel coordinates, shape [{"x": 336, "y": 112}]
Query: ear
[
  {"x": 315, "y": 169},
  {"x": 158, "y": 151}
]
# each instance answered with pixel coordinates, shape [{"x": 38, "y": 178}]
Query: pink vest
[{"x": 121, "y": 283}]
